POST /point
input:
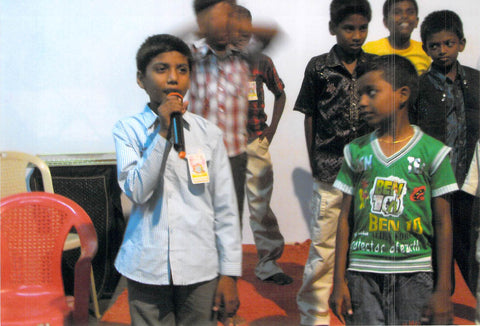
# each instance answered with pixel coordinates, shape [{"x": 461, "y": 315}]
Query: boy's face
[
  {"x": 402, "y": 19},
  {"x": 213, "y": 23},
  {"x": 166, "y": 73},
  {"x": 351, "y": 33},
  {"x": 443, "y": 47},
  {"x": 378, "y": 99},
  {"x": 241, "y": 32}
]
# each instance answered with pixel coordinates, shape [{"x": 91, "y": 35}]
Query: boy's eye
[
  {"x": 411, "y": 12},
  {"x": 160, "y": 68},
  {"x": 433, "y": 46},
  {"x": 450, "y": 43},
  {"x": 183, "y": 70}
]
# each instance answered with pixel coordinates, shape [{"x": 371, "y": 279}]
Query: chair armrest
[{"x": 88, "y": 239}]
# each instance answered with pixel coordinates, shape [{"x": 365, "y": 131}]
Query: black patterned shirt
[{"x": 329, "y": 94}]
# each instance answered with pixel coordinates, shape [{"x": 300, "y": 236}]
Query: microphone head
[{"x": 175, "y": 94}]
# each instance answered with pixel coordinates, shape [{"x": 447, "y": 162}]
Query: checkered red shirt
[
  {"x": 218, "y": 92},
  {"x": 262, "y": 72}
]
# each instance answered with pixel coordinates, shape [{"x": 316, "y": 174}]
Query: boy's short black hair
[
  {"x": 200, "y": 5},
  {"x": 156, "y": 44},
  {"x": 396, "y": 70},
  {"x": 438, "y": 21},
  {"x": 388, "y": 5},
  {"x": 340, "y": 9},
  {"x": 243, "y": 12}
]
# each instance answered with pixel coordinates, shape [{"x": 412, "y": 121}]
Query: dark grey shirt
[{"x": 329, "y": 94}]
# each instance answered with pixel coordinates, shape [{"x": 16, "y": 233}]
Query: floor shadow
[
  {"x": 303, "y": 185},
  {"x": 464, "y": 311},
  {"x": 284, "y": 296}
]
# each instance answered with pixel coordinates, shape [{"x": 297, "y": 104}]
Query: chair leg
[{"x": 96, "y": 308}]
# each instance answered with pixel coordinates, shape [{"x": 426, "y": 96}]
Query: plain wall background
[{"x": 67, "y": 74}]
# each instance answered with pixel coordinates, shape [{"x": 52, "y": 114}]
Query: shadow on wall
[{"x": 303, "y": 185}]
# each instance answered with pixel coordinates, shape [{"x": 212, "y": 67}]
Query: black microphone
[{"x": 176, "y": 126}]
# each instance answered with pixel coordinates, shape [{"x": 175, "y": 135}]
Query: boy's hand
[
  {"x": 439, "y": 309},
  {"x": 269, "y": 133},
  {"x": 340, "y": 301},
  {"x": 172, "y": 103},
  {"x": 226, "y": 301}
]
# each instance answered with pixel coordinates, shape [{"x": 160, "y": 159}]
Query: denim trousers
[{"x": 388, "y": 299}]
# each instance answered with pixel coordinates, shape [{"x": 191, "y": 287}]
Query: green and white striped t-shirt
[{"x": 393, "y": 230}]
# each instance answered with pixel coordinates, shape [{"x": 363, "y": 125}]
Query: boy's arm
[
  {"x": 308, "y": 123},
  {"x": 227, "y": 231},
  {"x": 140, "y": 169},
  {"x": 439, "y": 310},
  {"x": 278, "y": 107},
  {"x": 339, "y": 301}
]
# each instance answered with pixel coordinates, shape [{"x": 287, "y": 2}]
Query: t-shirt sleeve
[
  {"x": 471, "y": 182},
  {"x": 442, "y": 177},
  {"x": 344, "y": 181}
]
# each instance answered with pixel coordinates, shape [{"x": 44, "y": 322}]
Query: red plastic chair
[{"x": 34, "y": 227}]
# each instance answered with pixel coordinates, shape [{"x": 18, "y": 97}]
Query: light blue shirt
[{"x": 189, "y": 231}]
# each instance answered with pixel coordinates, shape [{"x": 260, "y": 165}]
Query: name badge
[
  {"x": 252, "y": 91},
  {"x": 197, "y": 165}
]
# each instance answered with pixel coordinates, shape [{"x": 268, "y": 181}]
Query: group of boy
[
  {"x": 380, "y": 204},
  {"x": 385, "y": 216}
]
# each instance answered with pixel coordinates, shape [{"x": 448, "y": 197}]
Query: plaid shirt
[
  {"x": 218, "y": 92},
  {"x": 262, "y": 72}
]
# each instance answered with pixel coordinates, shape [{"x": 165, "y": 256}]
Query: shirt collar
[
  {"x": 334, "y": 61},
  {"x": 150, "y": 118},
  {"x": 437, "y": 74},
  {"x": 202, "y": 49}
]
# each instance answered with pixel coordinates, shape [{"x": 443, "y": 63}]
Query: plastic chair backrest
[
  {"x": 13, "y": 169},
  {"x": 34, "y": 227}
]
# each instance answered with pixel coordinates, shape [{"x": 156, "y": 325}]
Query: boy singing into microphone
[{"x": 181, "y": 252}]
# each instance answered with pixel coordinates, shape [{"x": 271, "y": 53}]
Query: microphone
[{"x": 176, "y": 125}]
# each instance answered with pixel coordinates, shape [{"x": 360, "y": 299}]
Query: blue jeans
[{"x": 388, "y": 299}]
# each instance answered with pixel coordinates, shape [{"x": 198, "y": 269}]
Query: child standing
[
  {"x": 328, "y": 98},
  {"x": 181, "y": 251},
  {"x": 471, "y": 186},
  {"x": 394, "y": 211},
  {"x": 448, "y": 108},
  {"x": 400, "y": 17},
  {"x": 259, "y": 177}
]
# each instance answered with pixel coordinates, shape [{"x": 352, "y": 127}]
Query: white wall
[{"x": 67, "y": 74}]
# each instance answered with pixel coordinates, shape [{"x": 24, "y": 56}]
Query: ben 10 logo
[
  {"x": 376, "y": 223},
  {"x": 386, "y": 196}
]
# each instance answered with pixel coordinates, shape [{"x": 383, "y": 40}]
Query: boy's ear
[
  {"x": 140, "y": 79},
  {"x": 331, "y": 28},
  {"x": 404, "y": 93},
  {"x": 385, "y": 22},
  {"x": 462, "y": 44},
  {"x": 424, "y": 47}
]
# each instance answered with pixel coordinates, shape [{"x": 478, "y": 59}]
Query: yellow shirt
[{"x": 414, "y": 52}]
